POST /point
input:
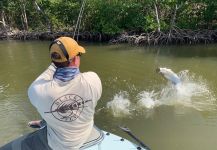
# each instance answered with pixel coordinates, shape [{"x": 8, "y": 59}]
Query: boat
[
  {"x": 108, "y": 141},
  {"x": 98, "y": 140}
]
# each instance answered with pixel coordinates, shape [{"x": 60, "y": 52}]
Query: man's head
[{"x": 64, "y": 51}]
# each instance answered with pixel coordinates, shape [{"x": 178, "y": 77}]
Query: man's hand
[{"x": 35, "y": 124}]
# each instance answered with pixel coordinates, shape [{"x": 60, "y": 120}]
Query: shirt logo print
[{"x": 68, "y": 107}]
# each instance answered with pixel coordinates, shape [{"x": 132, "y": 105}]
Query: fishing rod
[
  {"x": 127, "y": 130},
  {"x": 77, "y": 27}
]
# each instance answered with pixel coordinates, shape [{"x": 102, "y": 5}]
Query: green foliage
[
  {"x": 111, "y": 16},
  {"x": 103, "y": 16}
]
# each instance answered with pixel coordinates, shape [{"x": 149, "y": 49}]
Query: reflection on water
[
  {"x": 193, "y": 92},
  {"x": 187, "y": 51}
]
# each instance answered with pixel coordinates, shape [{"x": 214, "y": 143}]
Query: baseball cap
[{"x": 64, "y": 48}]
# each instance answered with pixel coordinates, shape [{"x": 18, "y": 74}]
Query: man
[
  {"x": 65, "y": 98},
  {"x": 169, "y": 75}
]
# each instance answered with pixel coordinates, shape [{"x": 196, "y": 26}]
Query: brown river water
[{"x": 186, "y": 121}]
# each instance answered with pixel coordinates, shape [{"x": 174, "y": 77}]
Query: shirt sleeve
[
  {"x": 34, "y": 88},
  {"x": 48, "y": 73},
  {"x": 96, "y": 86}
]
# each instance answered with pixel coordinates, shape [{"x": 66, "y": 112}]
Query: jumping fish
[{"x": 169, "y": 75}]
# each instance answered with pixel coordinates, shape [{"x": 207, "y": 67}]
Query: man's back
[{"x": 67, "y": 107}]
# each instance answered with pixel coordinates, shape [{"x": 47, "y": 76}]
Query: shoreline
[
  {"x": 171, "y": 37},
  {"x": 49, "y": 36}
]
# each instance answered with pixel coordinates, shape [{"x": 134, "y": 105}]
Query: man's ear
[{"x": 75, "y": 61}]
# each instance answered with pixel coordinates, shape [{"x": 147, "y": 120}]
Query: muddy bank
[
  {"x": 23, "y": 35},
  {"x": 171, "y": 37}
]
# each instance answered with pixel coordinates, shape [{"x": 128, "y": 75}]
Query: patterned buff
[{"x": 66, "y": 74}]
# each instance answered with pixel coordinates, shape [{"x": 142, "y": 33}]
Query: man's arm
[
  {"x": 48, "y": 73},
  {"x": 34, "y": 88}
]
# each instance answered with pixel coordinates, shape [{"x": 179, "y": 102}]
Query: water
[{"x": 133, "y": 94}]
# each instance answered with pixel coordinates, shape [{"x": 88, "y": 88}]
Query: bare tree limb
[{"x": 157, "y": 16}]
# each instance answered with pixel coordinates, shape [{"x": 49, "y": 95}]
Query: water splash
[
  {"x": 192, "y": 92},
  {"x": 147, "y": 99},
  {"x": 120, "y": 105}
]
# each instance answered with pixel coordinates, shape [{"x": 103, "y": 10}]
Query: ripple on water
[
  {"x": 12, "y": 118},
  {"x": 3, "y": 89},
  {"x": 7, "y": 108}
]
